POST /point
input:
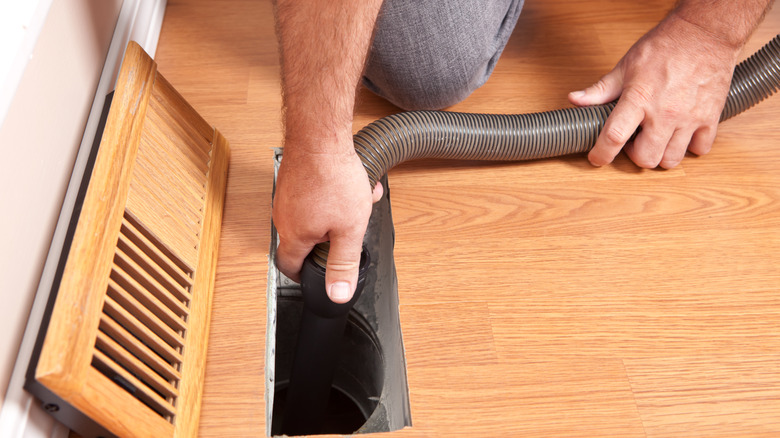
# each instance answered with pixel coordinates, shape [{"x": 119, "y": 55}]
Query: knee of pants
[
  {"x": 432, "y": 84},
  {"x": 431, "y": 55}
]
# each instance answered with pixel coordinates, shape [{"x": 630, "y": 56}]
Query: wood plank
[
  {"x": 562, "y": 398},
  {"x": 471, "y": 339},
  {"x": 678, "y": 395}
]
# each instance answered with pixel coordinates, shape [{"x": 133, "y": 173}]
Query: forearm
[
  {"x": 731, "y": 22},
  {"x": 323, "y": 44}
]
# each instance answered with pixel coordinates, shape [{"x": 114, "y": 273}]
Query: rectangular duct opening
[{"x": 370, "y": 391}]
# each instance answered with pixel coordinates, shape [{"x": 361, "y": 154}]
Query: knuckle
[
  {"x": 671, "y": 112},
  {"x": 601, "y": 86},
  {"x": 615, "y": 135},
  {"x": 639, "y": 95}
]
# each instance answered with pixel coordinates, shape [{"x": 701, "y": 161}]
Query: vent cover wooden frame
[{"x": 123, "y": 350}]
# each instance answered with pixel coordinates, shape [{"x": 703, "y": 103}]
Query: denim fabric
[{"x": 430, "y": 54}]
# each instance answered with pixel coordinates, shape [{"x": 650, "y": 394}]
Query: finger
[
  {"x": 341, "y": 272},
  {"x": 701, "y": 142},
  {"x": 290, "y": 256},
  {"x": 376, "y": 195},
  {"x": 605, "y": 90},
  {"x": 648, "y": 148},
  {"x": 675, "y": 151},
  {"x": 618, "y": 129}
]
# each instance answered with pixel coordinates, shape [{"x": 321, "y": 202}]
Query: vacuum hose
[
  {"x": 462, "y": 136},
  {"x": 514, "y": 137}
]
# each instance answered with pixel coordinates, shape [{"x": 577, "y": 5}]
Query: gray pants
[{"x": 430, "y": 54}]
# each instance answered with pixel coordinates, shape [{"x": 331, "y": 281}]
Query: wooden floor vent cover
[{"x": 122, "y": 350}]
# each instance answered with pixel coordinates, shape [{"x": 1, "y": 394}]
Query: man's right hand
[
  {"x": 323, "y": 197},
  {"x": 322, "y": 190}
]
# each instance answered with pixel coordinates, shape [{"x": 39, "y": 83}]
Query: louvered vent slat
[
  {"x": 193, "y": 133},
  {"x": 168, "y": 256},
  {"x": 156, "y": 359},
  {"x": 134, "y": 386},
  {"x": 157, "y": 255},
  {"x": 144, "y": 315},
  {"x": 185, "y": 218},
  {"x": 128, "y": 283},
  {"x": 131, "y": 335},
  {"x": 138, "y": 329},
  {"x": 155, "y": 271},
  {"x": 193, "y": 168},
  {"x": 139, "y": 369},
  {"x": 146, "y": 281},
  {"x": 191, "y": 195},
  {"x": 152, "y": 360}
]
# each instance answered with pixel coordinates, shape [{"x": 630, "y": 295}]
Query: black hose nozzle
[{"x": 317, "y": 349}]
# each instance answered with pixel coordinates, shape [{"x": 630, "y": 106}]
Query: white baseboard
[{"x": 20, "y": 415}]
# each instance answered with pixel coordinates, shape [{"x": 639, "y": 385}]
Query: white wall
[
  {"x": 71, "y": 52},
  {"x": 39, "y": 139},
  {"x": 20, "y": 25}
]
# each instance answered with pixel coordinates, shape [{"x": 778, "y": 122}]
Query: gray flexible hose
[{"x": 464, "y": 136}]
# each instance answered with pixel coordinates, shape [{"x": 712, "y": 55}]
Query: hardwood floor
[{"x": 566, "y": 300}]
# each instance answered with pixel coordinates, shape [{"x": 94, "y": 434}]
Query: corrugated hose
[{"x": 514, "y": 137}]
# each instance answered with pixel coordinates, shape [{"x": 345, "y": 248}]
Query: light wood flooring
[{"x": 545, "y": 298}]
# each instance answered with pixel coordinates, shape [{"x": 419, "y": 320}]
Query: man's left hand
[{"x": 672, "y": 83}]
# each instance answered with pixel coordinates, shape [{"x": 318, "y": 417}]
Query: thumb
[
  {"x": 376, "y": 195},
  {"x": 341, "y": 272},
  {"x": 607, "y": 89}
]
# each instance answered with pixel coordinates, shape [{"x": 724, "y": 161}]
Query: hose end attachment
[
  {"x": 317, "y": 352},
  {"x": 315, "y": 297}
]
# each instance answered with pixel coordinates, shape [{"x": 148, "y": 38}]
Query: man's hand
[
  {"x": 321, "y": 197},
  {"x": 673, "y": 83},
  {"x": 322, "y": 190}
]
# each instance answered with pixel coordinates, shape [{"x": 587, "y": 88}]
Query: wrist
[
  {"x": 322, "y": 137},
  {"x": 729, "y": 23},
  {"x": 318, "y": 151},
  {"x": 700, "y": 41}
]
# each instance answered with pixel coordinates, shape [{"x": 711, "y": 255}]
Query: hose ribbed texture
[
  {"x": 755, "y": 79},
  {"x": 464, "y": 136}
]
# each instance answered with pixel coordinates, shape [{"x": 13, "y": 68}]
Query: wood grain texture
[
  {"x": 196, "y": 342},
  {"x": 129, "y": 330},
  {"x": 66, "y": 356},
  {"x": 565, "y": 300}
]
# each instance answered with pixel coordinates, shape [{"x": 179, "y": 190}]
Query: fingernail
[
  {"x": 577, "y": 94},
  {"x": 339, "y": 291}
]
